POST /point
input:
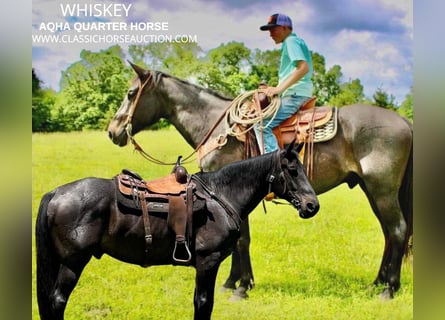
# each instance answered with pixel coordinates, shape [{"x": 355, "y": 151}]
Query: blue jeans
[{"x": 289, "y": 105}]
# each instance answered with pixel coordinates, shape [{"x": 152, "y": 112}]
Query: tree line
[{"x": 92, "y": 88}]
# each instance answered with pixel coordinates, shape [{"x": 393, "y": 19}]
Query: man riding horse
[{"x": 294, "y": 77}]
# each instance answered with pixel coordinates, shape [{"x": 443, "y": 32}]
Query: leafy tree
[
  {"x": 92, "y": 89},
  {"x": 264, "y": 68},
  {"x": 382, "y": 99},
  {"x": 42, "y": 101},
  {"x": 350, "y": 93},
  {"x": 225, "y": 68},
  {"x": 406, "y": 108},
  {"x": 36, "y": 84},
  {"x": 178, "y": 59},
  {"x": 326, "y": 83}
]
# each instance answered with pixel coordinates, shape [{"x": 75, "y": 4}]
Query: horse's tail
[
  {"x": 406, "y": 201},
  {"x": 47, "y": 261}
]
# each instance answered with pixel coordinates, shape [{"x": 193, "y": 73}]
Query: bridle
[
  {"x": 272, "y": 178},
  {"x": 128, "y": 126}
]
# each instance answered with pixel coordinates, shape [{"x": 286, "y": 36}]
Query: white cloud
[
  {"x": 377, "y": 63},
  {"x": 405, "y": 6}
]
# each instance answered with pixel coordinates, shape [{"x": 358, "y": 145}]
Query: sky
[{"x": 371, "y": 40}]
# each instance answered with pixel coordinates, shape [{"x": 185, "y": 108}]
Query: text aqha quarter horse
[
  {"x": 82, "y": 219},
  {"x": 373, "y": 148}
]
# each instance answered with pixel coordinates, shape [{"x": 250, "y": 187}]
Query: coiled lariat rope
[{"x": 244, "y": 111}]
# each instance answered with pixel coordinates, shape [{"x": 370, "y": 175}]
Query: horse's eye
[
  {"x": 131, "y": 93},
  {"x": 293, "y": 170}
]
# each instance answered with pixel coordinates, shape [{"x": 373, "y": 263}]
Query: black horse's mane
[{"x": 244, "y": 168}]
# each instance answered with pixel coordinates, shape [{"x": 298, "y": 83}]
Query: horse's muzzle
[
  {"x": 308, "y": 210},
  {"x": 120, "y": 139}
]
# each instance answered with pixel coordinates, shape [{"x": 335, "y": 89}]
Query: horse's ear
[
  {"x": 299, "y": 147},
  {"x": 141, "y": 72},
  {"x": 290, "y": 147}
]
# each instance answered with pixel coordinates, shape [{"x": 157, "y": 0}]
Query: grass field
[{"x": 319, "y": 268}]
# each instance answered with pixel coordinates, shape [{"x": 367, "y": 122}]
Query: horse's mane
[
  {"x": 158, "y": 75},
  {"x": 241, "y": 168}
]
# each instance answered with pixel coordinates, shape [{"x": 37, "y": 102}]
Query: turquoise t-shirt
[{"x": 294, "y": 49}]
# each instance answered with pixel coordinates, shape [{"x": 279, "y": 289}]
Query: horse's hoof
[
  {"x": 236, "y": 298},
  {"x": 225, "y": 289},
  {"x": 228, "y": 285},
  {"x": 239, "y": 294},
  {"x": 387, "y": 294}
]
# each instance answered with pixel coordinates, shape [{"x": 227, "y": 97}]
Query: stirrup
[{"x": 184, "y": 256}]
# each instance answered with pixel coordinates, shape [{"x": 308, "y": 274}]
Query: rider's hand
[{"x": 272, "y": 91}]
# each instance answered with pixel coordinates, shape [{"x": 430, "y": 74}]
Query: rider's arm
[{"x": 299, "y": 72}]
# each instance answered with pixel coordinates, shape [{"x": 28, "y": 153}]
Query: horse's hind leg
[
  {"x": 65, "y": 283},
  {"x": 389, "y": 273},
  {"x": 394, "y": 228}
]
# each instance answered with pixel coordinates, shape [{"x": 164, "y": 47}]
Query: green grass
[{"x": 319, "y": 268}]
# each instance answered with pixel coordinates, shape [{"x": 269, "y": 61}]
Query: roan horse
[
  {"x": 81, "y": 219},
  {"x": 373, "y": 148}
]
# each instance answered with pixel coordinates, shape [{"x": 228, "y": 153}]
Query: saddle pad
[{"x": 328, "y": 130}]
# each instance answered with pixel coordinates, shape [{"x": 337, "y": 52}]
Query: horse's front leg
[
  {"x": 235, "y": 272},
  {"x": 237, "y": 267},
  {"x": 206, "y": 271}
]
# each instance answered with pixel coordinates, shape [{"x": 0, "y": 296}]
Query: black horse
[{"x": 82, "y": 219}]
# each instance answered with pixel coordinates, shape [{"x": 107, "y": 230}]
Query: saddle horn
[{"x": 180, "y": 172}]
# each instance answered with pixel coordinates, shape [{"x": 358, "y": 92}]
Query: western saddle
[
  {"x": 173, "y": 195},
  {"x": 302, "y": 124}
]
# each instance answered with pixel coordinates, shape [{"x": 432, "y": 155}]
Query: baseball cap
[{"x": 277, "y": 19}]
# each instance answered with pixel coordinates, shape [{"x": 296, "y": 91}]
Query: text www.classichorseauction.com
[{"x": 99, "y": 31}]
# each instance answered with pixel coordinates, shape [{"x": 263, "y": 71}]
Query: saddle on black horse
[{"x": 171, "y": 195}]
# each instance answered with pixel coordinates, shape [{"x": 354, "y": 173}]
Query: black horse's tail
[
  {"x": 406, "y": 202},
  {"x": 47, "y": 261}
]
